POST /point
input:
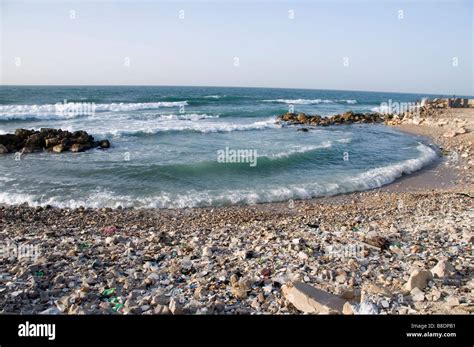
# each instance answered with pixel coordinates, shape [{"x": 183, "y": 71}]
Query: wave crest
[{"x": 310, "y": 101}]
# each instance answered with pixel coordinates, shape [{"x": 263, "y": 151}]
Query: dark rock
[
  {"x": 66, "y": 142},
  {"x": 23, "y": 133},
  {"x": 82, "y": 137},
  {"x": 54, "y": 140},
  {"x": 104, "y": 144},
  {"x": 79, "y": 147},
  {"x": 35, "y": 141},
  {"x": 303, "y": 129},
  {"x": 344, "y": 118},
  {"x": 12, "y": 142}
]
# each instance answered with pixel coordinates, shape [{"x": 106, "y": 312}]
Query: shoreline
[
  {"x": 423, "y": 179},
  {"x": 390, "y": 250}
]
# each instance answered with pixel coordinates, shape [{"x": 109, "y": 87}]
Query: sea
[{"x": 180, "y": 147}]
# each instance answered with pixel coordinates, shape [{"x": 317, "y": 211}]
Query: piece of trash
[
  {"x": 109, "y": 230},
  {"x": 39, "y": 273},
  {"x": 83, "y": 245},
  {"x": 108, "y": 292},
  {"x": 117, "y": 307}
]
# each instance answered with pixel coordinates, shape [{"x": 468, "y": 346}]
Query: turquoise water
[{"x": 166, "y": 143}]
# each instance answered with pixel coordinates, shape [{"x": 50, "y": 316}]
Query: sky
[{"x": 394, "y": 46}]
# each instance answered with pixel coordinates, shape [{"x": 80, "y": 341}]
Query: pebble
[{"x": 240, "y": 258}]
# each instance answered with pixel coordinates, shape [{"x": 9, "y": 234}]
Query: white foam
[
  {"x": 380, "y": 176},
  {"x": 115, "y": 107},
  {"x": 370, "y": 179},
  {"x": 300, "y": 101},
  {"x": 172, "y": 125},
  {"x": 53, "y": 111},
  {"x": 381, "y": 109},
  {"x": 300, "y": 149},
  {"x": 192, "y": 116},
  {"x": 310, "y": 101}
]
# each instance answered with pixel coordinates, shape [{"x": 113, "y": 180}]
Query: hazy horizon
[
  {"x": 398, "y": 47},
  {"x": 236, "y": 87}
]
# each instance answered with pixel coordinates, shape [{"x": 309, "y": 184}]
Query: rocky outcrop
[
  {"x": 344, "y": 118},
  {"x": 53, "y": 140}
]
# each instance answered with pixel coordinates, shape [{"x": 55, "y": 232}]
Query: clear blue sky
[{"x": 385, "y": 53}]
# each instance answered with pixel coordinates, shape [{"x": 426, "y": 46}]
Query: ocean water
[{"x": 166, "y": 143}]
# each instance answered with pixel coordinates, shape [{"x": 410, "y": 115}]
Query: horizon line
[{"x": 208, "y": 86}]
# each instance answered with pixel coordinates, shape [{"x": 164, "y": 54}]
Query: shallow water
[{"x": 166, "y": 143}]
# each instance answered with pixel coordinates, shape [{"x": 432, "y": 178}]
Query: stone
[
  {"x": 23, "y": 133},
  {"x": 200, "y": 293},
  {"x": 11, "y": 142},
  {"x": 347, "y": 294},
  {"x": 417, "y": 294},
  {"x": 78, "y": 147},
  {"x": 452, "y": 301},
  {"x": 104, "y": 144},
  {"x": 366, "y": 307},
  {"x": 450, "y": 133},
  {"x": 418, "y": 279},
  {"x": 397, "y": 250},
  {"x": 52, "y": 141},
  {"x": 347, "y": 309},
  {"x": 312, "y": 300},
  {"x": 51, "y": 311},
  {"x": 161, "y": 309},
  {"x": 468, "y": 237},
  {"x": 435, "y": 295},
  {"x": 461, "y": 131},
  {"x": 55, "y": 140},
  {"x": 302, "y": 255},
  {"x": 35, "y": 142},
  {"x": 109, "y": 240},
  {"x": 234, "y": 279},
  {"x": 341, "y": 278},
  {"x": 206, "y": 252},
  {"x": 442, "y": 269},
  {"x": 160, "y": 299},
  {"x": 239, "y": 289},
  {"x": 374, "y": 289},
  {"x": 175, "y": 307},
  {"x": 59, "y": 149},
  {"x": 302, "y": 118}
]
